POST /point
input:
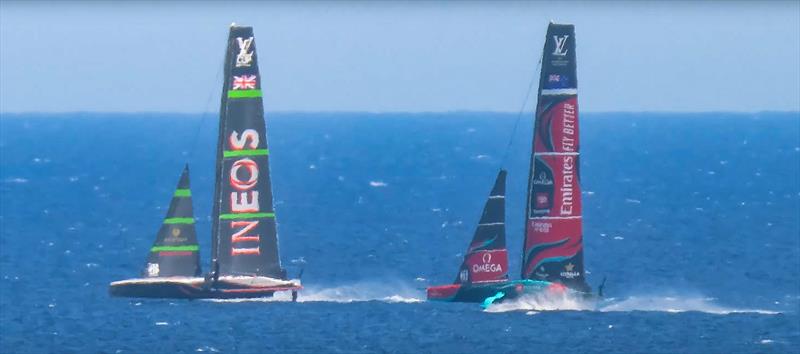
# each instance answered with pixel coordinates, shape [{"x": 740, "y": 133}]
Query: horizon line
[{"x": 526, "y": 112}]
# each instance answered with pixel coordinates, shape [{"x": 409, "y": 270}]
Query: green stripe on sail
[
  {"x": 246, "y": 216},
  {"x": 179, "y": 221},
  {"x": 174, "y": 248},
  {"x": 244, "y": 93},
  {"x": 252, "y": 152},
  {"x": 183, "y": 193}
]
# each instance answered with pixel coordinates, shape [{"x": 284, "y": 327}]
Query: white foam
[
  {"x": 391, "y": 292},
  {"x": 545, "y": 301},
  {"x": 377, "y": 184},
  {"x": 535, "y": 303},
  {"x": 676, "y": 305}
]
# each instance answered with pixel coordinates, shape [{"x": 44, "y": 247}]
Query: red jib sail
[
  {"x": 553, "y": 248},
  {"x": 486, "y": 259}
]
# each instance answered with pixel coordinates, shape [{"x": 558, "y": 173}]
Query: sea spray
[
  {"x": 386, "y": 291},
  {"x": 535, "y": 303}
]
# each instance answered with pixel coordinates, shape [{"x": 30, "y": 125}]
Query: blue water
[{"x": 694, "y": 219}]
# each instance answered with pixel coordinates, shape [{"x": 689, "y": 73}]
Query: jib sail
[
  {"x": 553, "y": 248},
  {"x": 486, "y": 258},
  {"x": 244, "y": 233},
  {"x": 175, "y": 251}
]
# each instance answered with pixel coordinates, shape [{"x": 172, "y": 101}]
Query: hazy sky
[{"x": 632, "y": 56}]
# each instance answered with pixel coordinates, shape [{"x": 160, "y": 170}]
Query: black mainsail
[
  {"x": 486, "y": 259},
  {"x": 175, "y": 250},
  {"x": 553, "y": 247},
  {"x": 244, "y": 234}
]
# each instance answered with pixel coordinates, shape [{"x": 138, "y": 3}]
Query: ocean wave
[{"x": 677, "y": 304}]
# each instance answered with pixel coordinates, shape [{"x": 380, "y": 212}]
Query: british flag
[
  {"x": 554, "y": 78},
  {"x": 246, "y": 82}
]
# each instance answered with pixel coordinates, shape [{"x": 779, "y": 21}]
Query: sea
[{"x": 693, "y": 219}]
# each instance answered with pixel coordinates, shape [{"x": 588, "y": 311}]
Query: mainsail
[
  {"x": 553, "y": 248},
  {"x": 244, "y": 234},
  {"x": 486, "y": 258},
  {"x": 175, "y": 251}
]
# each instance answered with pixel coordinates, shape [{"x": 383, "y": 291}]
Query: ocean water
[{"x": 693, "y": 218}]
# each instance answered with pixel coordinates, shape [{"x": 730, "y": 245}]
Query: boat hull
[
  {"x": 479, "y": 292},
  {"x": 197, "y": 288}
]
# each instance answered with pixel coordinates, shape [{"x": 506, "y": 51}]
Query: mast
[
  {"x": 244, "y": 232},
  {"x": 486, "y": 258},
  {"x": 175, "y": 250},
  {"x": 553, "y": 246}
]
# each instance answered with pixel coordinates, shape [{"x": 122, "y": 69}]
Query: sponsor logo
[
  {"x": 542, "y": 200},
  {"x": 560, "y": 45},
  {"x": 568, "y": 271},
  {"x": 464, "y": 276},
  {"x": 174, "y": 236},
  {"x": 542, "y": 180},
  {"x": 246, "y": 82},
  {"x": 487, "y": 266},
  {"x": 543, "y": 227},
  {"x": 567, "y": 185},
  {"x": 244, "y": 199},
  {"x": 152, "y": 269},
  {"x": 568, "y": 140},
  {"x": 541, "y": 273},
  {"x": 245, "y": 56}
]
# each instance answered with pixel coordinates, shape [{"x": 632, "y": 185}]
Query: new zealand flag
[{"x": 557, "y": 81}]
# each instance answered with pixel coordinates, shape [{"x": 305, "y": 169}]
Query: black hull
[{"x": 195, "y": 290}]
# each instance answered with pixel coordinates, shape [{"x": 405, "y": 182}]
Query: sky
[{"x": 399, "y": 56}]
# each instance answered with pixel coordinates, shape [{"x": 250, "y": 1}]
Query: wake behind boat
[
  {"x": 245, "y": 259},
  {"x": 552, "y": 259}
]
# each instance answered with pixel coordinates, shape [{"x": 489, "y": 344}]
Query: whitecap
[
  {"x": 17, "y": 180},
  {"x": 377, "y": 184}
]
